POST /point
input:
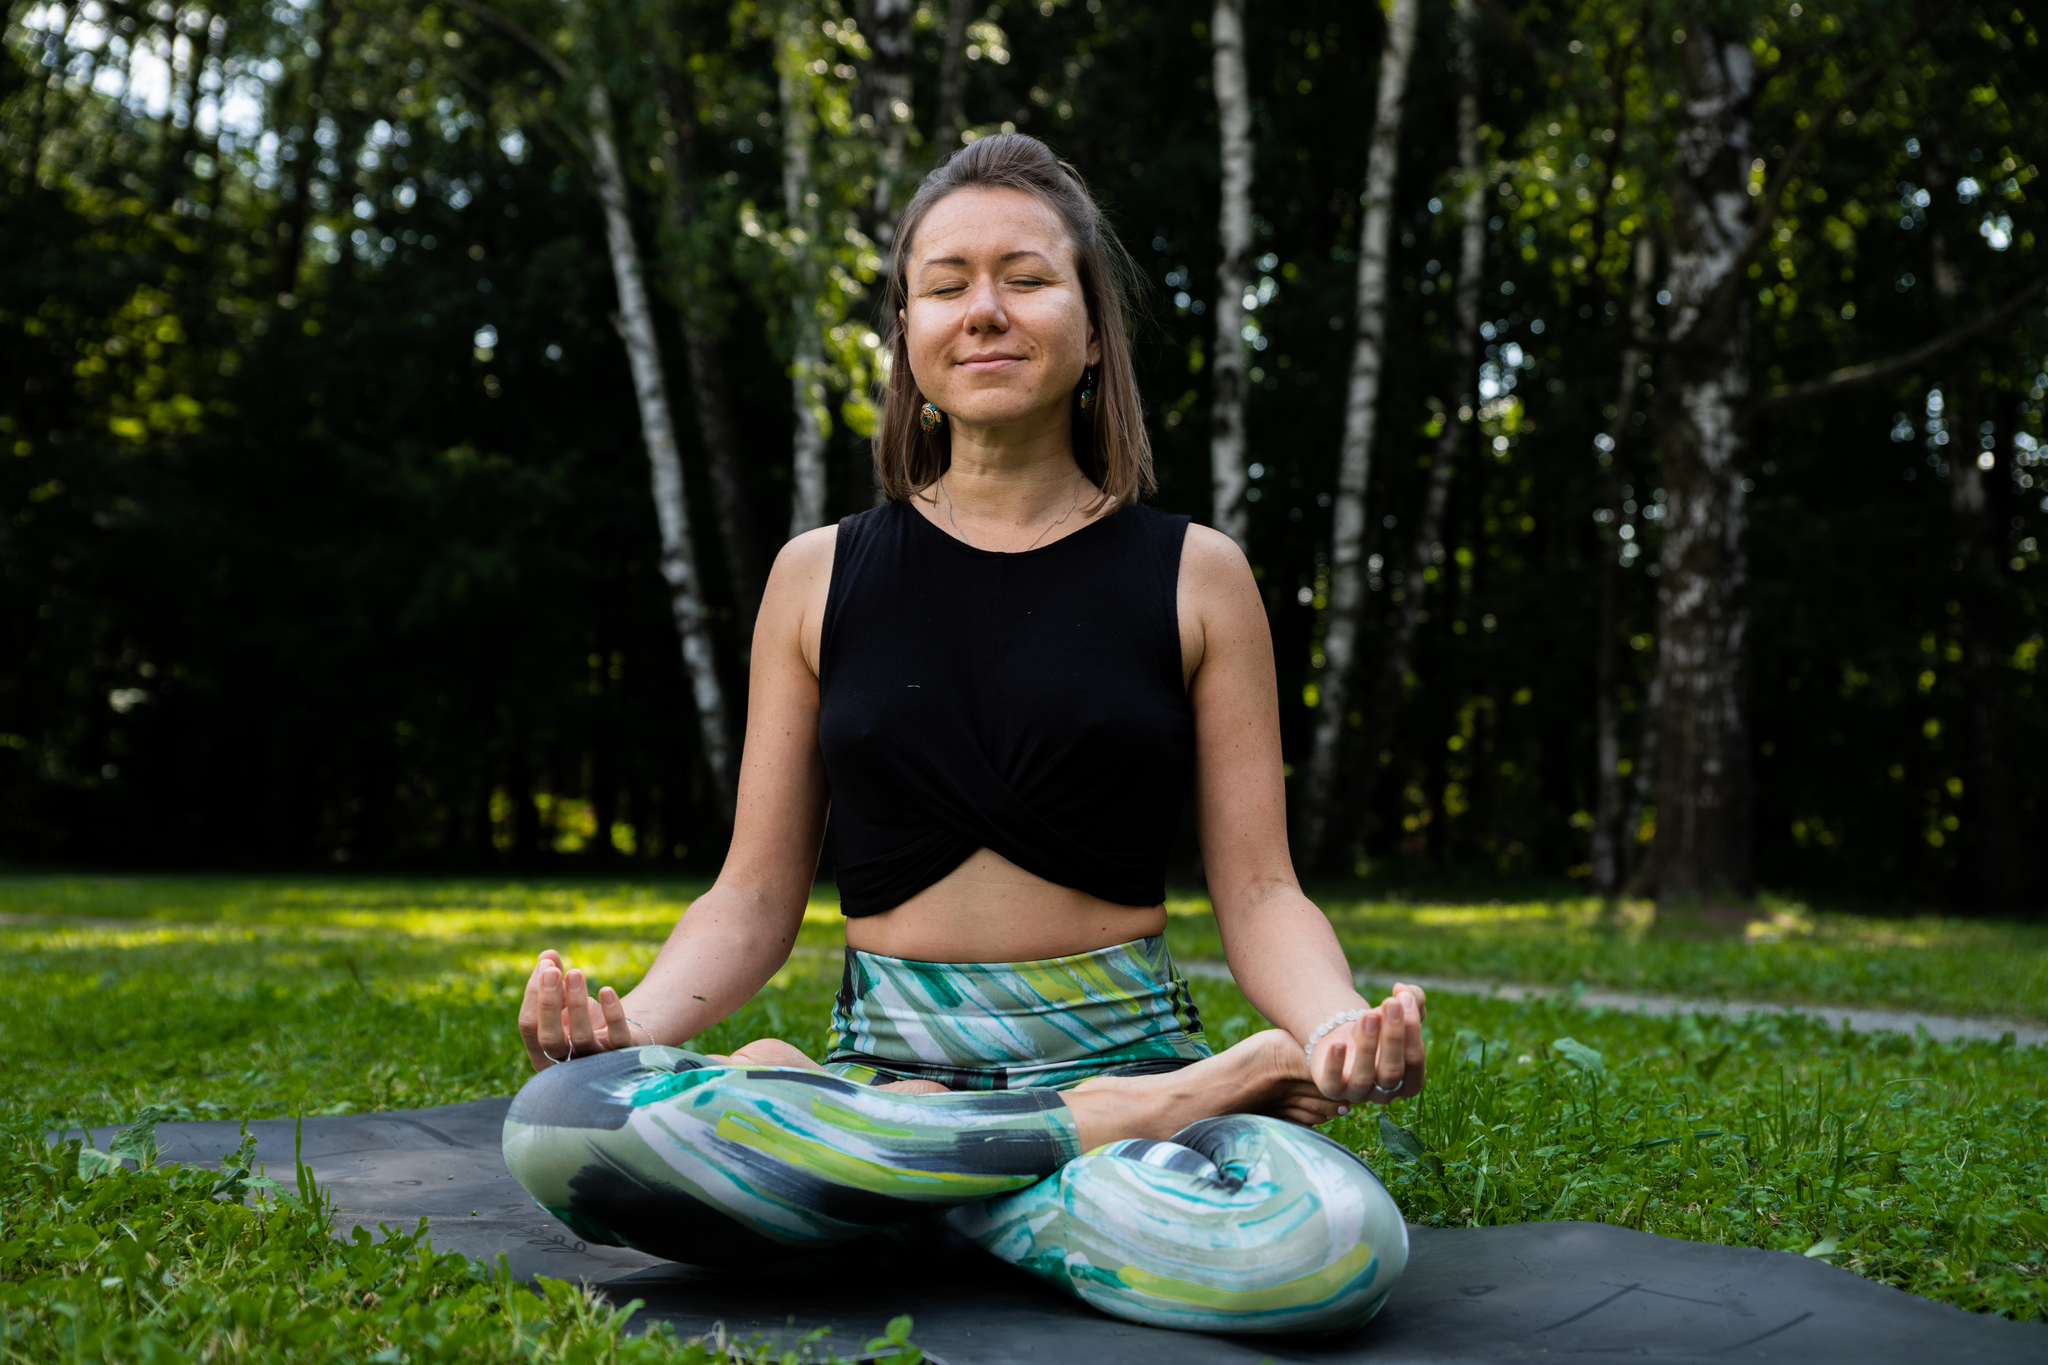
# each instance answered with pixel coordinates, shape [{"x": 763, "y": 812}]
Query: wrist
[{"x": 1334, "y": 1022}]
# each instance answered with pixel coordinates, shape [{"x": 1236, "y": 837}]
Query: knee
[{"x": 560, "y": 1114}]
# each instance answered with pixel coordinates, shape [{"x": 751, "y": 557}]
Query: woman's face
[{"x": 995, "y": 321}]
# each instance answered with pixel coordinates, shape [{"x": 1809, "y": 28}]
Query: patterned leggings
[{"x": 1238, "y": 1224}]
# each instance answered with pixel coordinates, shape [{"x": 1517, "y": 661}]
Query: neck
[{"x": 1012, "y": 480}]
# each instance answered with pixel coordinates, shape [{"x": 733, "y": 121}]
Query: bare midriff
[{"x": 988, "y": 909}]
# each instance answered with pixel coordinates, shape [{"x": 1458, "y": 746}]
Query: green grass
[
  {"x": 1787, "y": 953},
  {"x": 1916, "y": 1163}
]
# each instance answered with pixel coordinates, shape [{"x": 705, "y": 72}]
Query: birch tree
[
  {"x": 1361, "y": 416},
  {"x": 800, "y": 202},
  {"x": 635, "y": 326},
  {"x": 1702, "y": 845},
  {"x": 1234, "y": 234},
  {"x": 887, "y": 25},
  {"x": 1425, "y": 546}
]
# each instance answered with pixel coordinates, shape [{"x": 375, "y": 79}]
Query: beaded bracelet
[{"x": 1335, "y": 1021}]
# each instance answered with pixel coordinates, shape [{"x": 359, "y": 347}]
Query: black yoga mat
[{"x": 1561, "y": 1290}]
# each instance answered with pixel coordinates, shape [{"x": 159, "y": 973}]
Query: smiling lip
[{"x": 986, "y": 361}]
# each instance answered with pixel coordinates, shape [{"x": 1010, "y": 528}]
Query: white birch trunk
[
  {"x": 806, "y": 390},
  {"x": 665, "y": 466},
  {"x": 1227, "y": 360},
  {"x": 1361, "y": 415},
  {"x": 1424, "y": 547},
  {"x": 888, "y": 82},
  {"x": 1702, "y": 841}
]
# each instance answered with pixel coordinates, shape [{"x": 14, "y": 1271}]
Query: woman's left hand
[{"x": 1377, "y": 1058}]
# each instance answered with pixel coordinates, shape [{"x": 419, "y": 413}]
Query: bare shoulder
[
  {"x": 807, "y": 555},
  {"x": 793, "y": 604},
  {"x": 1210, "y": 556},
  {"x": 1220, "y": 610},
  {"x": 1215, "y": 577}
]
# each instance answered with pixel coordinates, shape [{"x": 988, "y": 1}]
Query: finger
[
  {"x": 546, "y": 1047},
  {"x": 1413, "y": 1056},
  {"x": 1415, "y": 993},
  {"x": 529, "y": 1004},
  {"x": 1327, "y": 1069},
  {"x": 618, "y": 1032},
  {"x": 1416, "y": 1057},
  {"x": 1312, "y": 1112},
  {"x": 1364, "y": 1064},
  {"x": 1391, "y": 1061},
  {"x": 577, "y": 1010}
]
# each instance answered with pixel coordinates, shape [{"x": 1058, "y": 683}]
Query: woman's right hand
[{"x": 559, "y": 1019}]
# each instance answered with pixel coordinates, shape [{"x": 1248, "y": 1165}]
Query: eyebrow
[{"x": 1003, "y": 259}]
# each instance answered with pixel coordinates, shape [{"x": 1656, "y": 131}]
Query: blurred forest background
[{"x": 1632, "y": 411}]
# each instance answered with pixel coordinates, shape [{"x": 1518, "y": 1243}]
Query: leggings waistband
[{"x": 1012, "y": 1025}]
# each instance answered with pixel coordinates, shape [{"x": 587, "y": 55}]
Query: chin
[{"x": 990, "y": 410}]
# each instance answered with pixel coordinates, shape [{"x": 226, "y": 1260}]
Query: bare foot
[
  {"x": 1264, "y": 1074},
  {"x": 775, "y": 1052},
  {"x": 772, "y": 1052}
]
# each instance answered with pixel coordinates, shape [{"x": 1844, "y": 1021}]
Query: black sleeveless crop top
[{"x": 1027, "y": 703}]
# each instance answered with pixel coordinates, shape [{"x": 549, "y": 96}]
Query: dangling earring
[
  {"x": 1088, "y": 399},
  {"x": 930, "y": 418}
]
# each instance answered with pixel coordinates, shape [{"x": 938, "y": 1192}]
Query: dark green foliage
[{"x": 294, "y": 569}]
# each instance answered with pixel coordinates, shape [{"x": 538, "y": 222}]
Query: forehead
[{"x": 983, "y": 224}]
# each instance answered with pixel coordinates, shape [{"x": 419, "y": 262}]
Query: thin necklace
[{"x": 1035, "y": 539}]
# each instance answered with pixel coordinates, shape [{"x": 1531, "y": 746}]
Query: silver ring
[{"x": 1388, "y": 1090}]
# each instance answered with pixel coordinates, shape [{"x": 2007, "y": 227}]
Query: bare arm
[
  {"x": 1280, "y": 947},
  {"x": 736, "y": 935}
]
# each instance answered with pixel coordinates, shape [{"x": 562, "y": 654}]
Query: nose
[{"x": 985, "y": 312}]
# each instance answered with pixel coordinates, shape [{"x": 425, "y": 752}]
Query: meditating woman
[{"x": 1002, "y": 684}]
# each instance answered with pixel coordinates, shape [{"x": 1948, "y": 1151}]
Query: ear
[
  {"x": 902, "y": 322},
  {"x": 1094, "y": 344}
]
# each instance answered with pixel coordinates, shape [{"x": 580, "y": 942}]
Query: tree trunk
[
  {"x": 953, "y": 78},
  {"x": 1227, "y": 360},
  {"x": 665, "y": 467},
  {"x": 1425, "y": 549},
  {"x": 807, "y": 395},
  {"x": 708, "y": 387},
  {"x": 887, "y": 86},
  {"x": 1702, "y": 847},
  {"x": 1361, "y": 414},
  {"x": 1609, "y": 852}
]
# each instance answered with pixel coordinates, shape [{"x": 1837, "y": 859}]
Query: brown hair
[{"x": 1110, "y": 444}]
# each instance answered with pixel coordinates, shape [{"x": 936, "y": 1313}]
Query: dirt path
[{"x": 1940, "y": 1027}]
